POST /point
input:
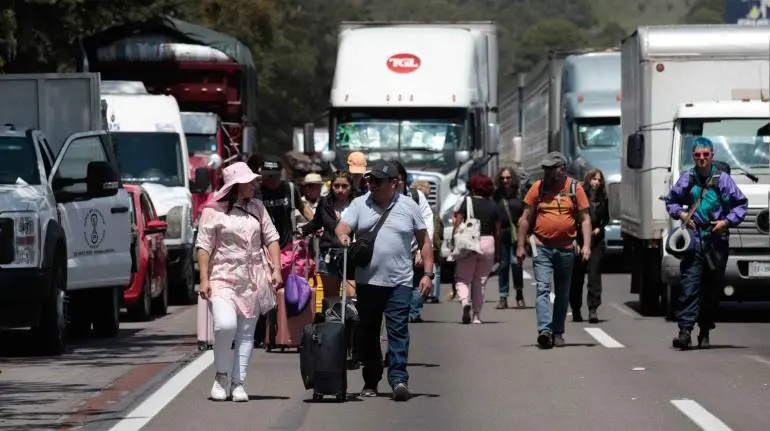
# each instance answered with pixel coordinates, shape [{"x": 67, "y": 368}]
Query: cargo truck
[
  {"x": 570, "y": 102},
  {"x": 424, "y": 93},
  {"x": 64, "y": 215},
  {"x": 663, "y": 70}
]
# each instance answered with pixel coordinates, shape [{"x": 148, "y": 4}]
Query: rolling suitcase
[
  {"x": 324, "y": 351},
  {"x": 205, "y": 325}
]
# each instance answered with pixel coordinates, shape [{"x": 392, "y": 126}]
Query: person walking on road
[
  {"x": 415, "y": 310},
  {"x": 472, "y": 269},
  {"x": 234, "y": 273},
  {"x": 384, "y": 284},
  {"x": 553, "y": 207},
  {"x": 508, "y": 197},
  {"x": 329, "y": 212},
  {"x": 715, "y": 204},
  {"x": 599, "y": 210}
]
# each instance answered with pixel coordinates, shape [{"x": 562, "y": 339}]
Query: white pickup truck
[{"x": 64, "y": 219}]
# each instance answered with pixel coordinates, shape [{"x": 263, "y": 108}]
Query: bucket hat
[{"x": 237, "y": 173}]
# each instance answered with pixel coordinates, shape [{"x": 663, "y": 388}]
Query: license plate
[{"x": 759, "y": 269}]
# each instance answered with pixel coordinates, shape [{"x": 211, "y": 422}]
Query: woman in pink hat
[{"x": 237, "y": 275}]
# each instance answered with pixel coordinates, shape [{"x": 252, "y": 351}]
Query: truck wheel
[
  {"x": 107, "y": 312},
  {"x": 142, "y": 309},
  {"x": 52, "y": 330},
  {"x": 160, "y": 304},
  {"x": 184, "y": 287}
]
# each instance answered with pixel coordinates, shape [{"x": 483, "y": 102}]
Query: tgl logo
[{"x": 403, "y": 63}]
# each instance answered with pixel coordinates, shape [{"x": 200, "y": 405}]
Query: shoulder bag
[
  {"x": 467, "y": 236},
  {"x": 361, "y": 250}
]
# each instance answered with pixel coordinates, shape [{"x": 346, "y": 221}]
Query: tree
[
  {"x": 611, "y": 35},
  {"x": 547, "y": 36}
]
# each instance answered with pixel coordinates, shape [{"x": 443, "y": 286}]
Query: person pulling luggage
[
  {"x": 385, "y": 221},
  {"x": 235, "y": 276},
  {"x": 715, "y": 204}
]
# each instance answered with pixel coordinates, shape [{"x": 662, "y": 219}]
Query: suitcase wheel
[
  {"x": 283, "y": 349},
  {"x": 341, "y": 397},
  {"x": 268, "y": 348},
  {"x": 317, "y": 396},
  {"x": 202, "y": 346}
]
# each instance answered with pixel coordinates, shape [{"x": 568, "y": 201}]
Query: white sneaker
[
  {"x": 239, "y": 394},
  {"x": 476, "y": 320},
  {"x": 219, "y": 389}
]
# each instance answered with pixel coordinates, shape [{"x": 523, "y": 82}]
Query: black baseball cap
[
  {"x": 271, "y": 165},
  {"x": 382, "y": 170}
]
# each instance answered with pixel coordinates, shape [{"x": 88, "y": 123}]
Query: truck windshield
[
  {"x": 149, "y": 157},
  {"x": 743, "y": 143},
  {"x": 201, "y": 144},
  {"x": 598, "y": 132},
  {"x": 424, "y": 142},
  {"x": 18, "y": 160}
]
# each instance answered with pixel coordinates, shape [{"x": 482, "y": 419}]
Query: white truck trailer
[
  {"x": 663, "y": 68},
  {"x": 424, "y": 93}
]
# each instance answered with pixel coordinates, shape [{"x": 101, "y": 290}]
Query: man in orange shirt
[{"x": 553, "y": 207}]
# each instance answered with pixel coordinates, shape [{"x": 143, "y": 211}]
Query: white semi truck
[
  {"x": 570, "y": 103},
  {"x": 680, "y": 82},
  {"x": 424, "y": 93}
]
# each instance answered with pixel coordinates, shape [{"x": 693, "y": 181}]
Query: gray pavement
[
  {"x": 95, "y": 378},
  {"x": 493, "y": 377}
]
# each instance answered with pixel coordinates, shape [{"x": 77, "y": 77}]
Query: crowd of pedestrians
[{"x": 557, "y": 221}]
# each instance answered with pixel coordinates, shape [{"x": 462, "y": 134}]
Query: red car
[{"x": 147, "y": 292}]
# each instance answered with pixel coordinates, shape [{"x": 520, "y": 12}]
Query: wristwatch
[{"x": 430, "y": 275}]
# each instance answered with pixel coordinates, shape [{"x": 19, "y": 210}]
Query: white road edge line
[
  {"x": 149, "y": 408},
  {"x": 705, "y": 420},
  {"x": 525, "y": 275},
  {"x": 759, "y": 359},
  {"x": 603, "y": 338},
  {"x": 622, "y": 309}
]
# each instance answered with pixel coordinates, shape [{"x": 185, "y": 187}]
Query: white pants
[{"x": 229, "y": 326}]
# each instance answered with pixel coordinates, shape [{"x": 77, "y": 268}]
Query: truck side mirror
[
  {"x": 308, "y": 138},
  {"x": 635, "y": 151},
  {"x": 518, "y": 147},
  {"x": 215, "y": 161},
  {"x": 328, "y": 156},
  {"x": 201, "y": 182},
  {"x": 101, "y": 180},
  {"x": 462, "y": 156},
  {"x": 493, "y": 133}
]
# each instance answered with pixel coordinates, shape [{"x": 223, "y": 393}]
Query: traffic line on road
[
  {"x": 759, "y": 359},
  {"x": 603, "y": 338},
  {"x": 702, "y": 417},
  {"x": 622, "y": 309},
  {"x": 525, "y": 275},
  {"x": 143, "y": 414}
]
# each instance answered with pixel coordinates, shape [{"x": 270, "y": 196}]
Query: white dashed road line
[
  {"x": 603, "y": 338},
  {"x": 623, "y": 309},
  {"x": 759, "y": 359},
  {"x": 143, "y": 414},
  {"x": 696, "y": 413}
]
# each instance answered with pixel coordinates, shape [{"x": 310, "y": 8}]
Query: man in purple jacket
[{"x": 719, "y": 205}]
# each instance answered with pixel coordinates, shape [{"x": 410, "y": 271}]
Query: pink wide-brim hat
[{"x": 237, "y": 173}]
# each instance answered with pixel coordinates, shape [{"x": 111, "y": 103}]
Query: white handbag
[{"x": 467, "y": 236}]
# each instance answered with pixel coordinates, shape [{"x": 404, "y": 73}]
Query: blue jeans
[
  {"x": 415, "y": 309},
  {"x": 508, "y": 260},
  {"x": 703, "y": 273},
  {"x": 373, "y": 301},
  {"x": 556, "y": 263}
]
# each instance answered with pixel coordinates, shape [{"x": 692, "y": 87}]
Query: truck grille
[
  {"x": 433, "y": 195},
  {"x": 7, "y": 249},
  {"x": 746, "y": 235}
]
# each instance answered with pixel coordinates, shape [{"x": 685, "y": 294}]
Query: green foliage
[
  {"x": 294, "y": 41},
  {"x": 546, "y": 36}
]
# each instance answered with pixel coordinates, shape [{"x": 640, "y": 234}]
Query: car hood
[
  {"x": 15, "y": 197},
  {"x": 164, "y": 198}
]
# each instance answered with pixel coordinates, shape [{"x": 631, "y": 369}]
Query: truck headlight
[
  {"x": 174, "y": 221},
  {"x": 26, "y": 234}
]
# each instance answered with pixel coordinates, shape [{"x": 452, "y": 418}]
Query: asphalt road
[{"x": 620, "y": 374}]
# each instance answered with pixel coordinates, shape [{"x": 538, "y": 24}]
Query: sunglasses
[
  {"x": 701, "y": 154},
  {"x": 376, "y": 181}
]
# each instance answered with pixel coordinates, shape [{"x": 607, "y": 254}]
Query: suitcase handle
[
  {"x": 295, "y": 249},
  {"x": 344, "y": 282}
]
